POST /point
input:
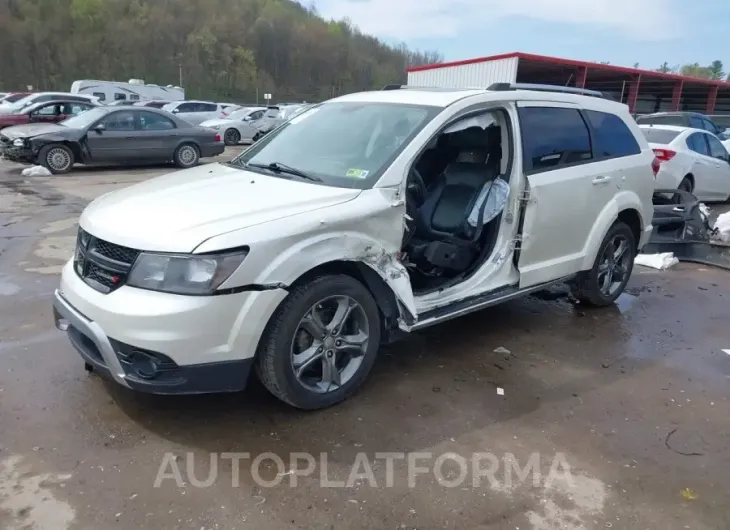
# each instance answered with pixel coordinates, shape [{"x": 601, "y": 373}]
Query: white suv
[{"x": 366, "y": 215}]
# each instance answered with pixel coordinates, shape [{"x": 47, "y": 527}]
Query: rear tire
[
  {"x": 57, "y": 158},
  {"x": 601, "y": 286},
  {"x": 686, "y": 185},
  {"x": 186, "y": 156},
  {"x": 232, "y": 137},
  {"x": 308, "y": 357}
]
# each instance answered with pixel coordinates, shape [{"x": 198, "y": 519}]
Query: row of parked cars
[
  {"x": 692, "y": 152},
  {"x": 58, "y": 130}
]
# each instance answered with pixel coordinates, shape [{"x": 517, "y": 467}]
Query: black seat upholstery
[{"x": 443, "y": 236}]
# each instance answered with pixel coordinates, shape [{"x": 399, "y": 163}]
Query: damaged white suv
[{"x": 366, "y": 215}]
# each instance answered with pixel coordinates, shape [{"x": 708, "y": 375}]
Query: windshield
[
  {"x": 85, "y": 119},
  {"x": 345, "y": 144},
  {"x": 239, "y": 114}
]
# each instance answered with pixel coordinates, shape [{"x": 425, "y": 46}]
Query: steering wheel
[{"x": 416, "y": 188}]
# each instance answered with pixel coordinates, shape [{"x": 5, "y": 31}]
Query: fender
[
  {"x": 624, "y": 200},
  {"x": 367, "y": 229}
]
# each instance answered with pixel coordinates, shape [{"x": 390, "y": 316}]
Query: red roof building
[{"x": 644, "y": 91}]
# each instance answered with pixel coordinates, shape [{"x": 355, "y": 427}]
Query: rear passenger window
[
  {"x": 553, "y": 137},
  {"x": 697, "y": 143},
  {"x": 611, "y": 137}
]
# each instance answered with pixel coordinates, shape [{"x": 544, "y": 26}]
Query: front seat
[{"x": 446, "y": 239}]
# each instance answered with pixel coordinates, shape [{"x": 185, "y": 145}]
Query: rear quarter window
[{"x": 611, "y": 137}]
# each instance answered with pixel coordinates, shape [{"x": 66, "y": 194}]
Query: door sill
[{"x": 476, "y": 303}]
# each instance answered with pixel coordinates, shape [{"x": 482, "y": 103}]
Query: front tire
[
  {"x": 186, "y": 156},
  {"x": 57, "y": 158},
  {"x": 232, "y": 137},
  {"x": 321, "y": 343},
  {"x": 607, "y": 279}
]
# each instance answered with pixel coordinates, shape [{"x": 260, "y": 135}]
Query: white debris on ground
[
  {"x": 660, "y": 261},
  {"x": 36, "y": 171},
  {"x": 705, "y": 211},
  {"x": 722, "y": 227}
]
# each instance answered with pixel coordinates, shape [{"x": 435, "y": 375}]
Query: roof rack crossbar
[{"x": 549, "y": 88}]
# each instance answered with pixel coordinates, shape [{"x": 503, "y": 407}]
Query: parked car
[
  {"x": 238, "y": 126},
  {"x": 46, "y": 112},
  {"x": 110, "y": 135},
  {"x": 196, "y": 112},
  {"x": 691, "y": 160},
  {"x": 40, "y": 97},
  {"x": 273, "y": 117},
  {"x": 12, "y": 97},
  {"x": 299, "y": 257},
  {"x": 694, "y": 120},
  {"x": 722, "y": 121}
]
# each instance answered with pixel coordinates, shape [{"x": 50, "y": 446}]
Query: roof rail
[{"x": 549, "y": 88}]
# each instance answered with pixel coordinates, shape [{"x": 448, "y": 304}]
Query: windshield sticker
[
  {"x": 303, "y": 116},
  {"x": 357, "y": 173}
]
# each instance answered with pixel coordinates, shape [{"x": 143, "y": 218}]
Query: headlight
[
  {"x": 214, "y": 127},
  {"x": 184, "y": 274},
  {"x": 18, "y": 142}
]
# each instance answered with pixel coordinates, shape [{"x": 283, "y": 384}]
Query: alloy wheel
[
  {"x": 58, "y": 159},
  {"x": 232, "y": 137},
  {"x": 187, "y": 155},
  {"x": 615, "y": 266},
  {"x": 329, "y": 343}
]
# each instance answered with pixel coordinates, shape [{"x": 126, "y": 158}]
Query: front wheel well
[
  {"x": 691, "y": 178},
  {"x": 384, "y": 296},
  {"x": 632, "y": 218}
]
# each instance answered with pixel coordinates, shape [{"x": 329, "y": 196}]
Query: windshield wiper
[{"x": 277, "y": 167}]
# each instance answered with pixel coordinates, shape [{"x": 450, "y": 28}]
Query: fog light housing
[{"x": 144, "y": 365}]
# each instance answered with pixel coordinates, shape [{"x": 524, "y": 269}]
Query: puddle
[
  {"x": 8, "y": 288},
  {"x": 624, "y": 302}
]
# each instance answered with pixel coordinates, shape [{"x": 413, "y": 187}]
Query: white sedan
[
  {"x": 237, "y": 126},
  {"x": 693, "y": 160}
]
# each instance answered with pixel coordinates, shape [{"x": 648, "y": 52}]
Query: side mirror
[
  {"x": 247, "y": 118},
  {"x": 176, "y": 111},
  {"x": 100, "y": 128}
]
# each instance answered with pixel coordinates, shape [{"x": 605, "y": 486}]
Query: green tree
[{"x": 716, "y": 70}]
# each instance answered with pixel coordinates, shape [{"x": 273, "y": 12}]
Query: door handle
[{"x": 601, "y": 180}]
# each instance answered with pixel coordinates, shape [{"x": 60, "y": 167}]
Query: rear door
[
  {"x": 574, "y": 162},
  {"x": 720, "y": 184},
  {"x": 157, "y": 136},
  {"x": 119, "y": 140},
  {"x": 704, "y": 169}
]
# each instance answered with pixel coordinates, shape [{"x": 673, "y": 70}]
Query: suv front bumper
[{"x": 161, "y": 343}]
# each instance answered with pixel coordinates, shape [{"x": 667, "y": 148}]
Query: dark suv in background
[{"x": 694, "y": 120}]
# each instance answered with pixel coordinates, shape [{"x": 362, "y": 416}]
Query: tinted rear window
[
  {"x": 659, "y": 136},
  {"x": 663, "y": 120},
  {"x": 553, "y": 137},
  {"x": 611, "y": 136}
]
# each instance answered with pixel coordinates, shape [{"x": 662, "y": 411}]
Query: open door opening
[{"x": 456, "y": 192}]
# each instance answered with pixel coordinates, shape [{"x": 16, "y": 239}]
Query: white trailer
[{"x": 135, "y": 90}]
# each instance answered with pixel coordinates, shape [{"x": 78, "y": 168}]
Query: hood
[
  {"x": 32, "y": 129},
  {"x": 217, "y": 121},
  {"x": 178, "y": 211}
]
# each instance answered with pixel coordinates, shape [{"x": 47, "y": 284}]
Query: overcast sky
[{"x": 619, "y": 31}]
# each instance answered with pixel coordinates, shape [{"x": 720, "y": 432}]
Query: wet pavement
[{"x": 614, "y": 418}]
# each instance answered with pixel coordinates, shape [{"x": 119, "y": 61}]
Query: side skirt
[{"x": 476, "y": 303}]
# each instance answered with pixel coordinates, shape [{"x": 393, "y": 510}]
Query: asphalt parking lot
[{"x": 615, "y": 418}]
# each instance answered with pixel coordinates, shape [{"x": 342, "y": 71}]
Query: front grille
[
  {"x": 101, "y": 264},
  {"x": 115, "y": 252}
]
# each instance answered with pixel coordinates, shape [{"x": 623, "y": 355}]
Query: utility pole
[{"x": 180, "y": 65}]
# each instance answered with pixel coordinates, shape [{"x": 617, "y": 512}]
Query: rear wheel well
[
  {"x": 691, "y": 178},
  {"x": 632, "y": 218},
  {"x": 380, "y": 290}
]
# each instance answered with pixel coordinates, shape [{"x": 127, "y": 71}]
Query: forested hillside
[{"x": 226, "y": 49}]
